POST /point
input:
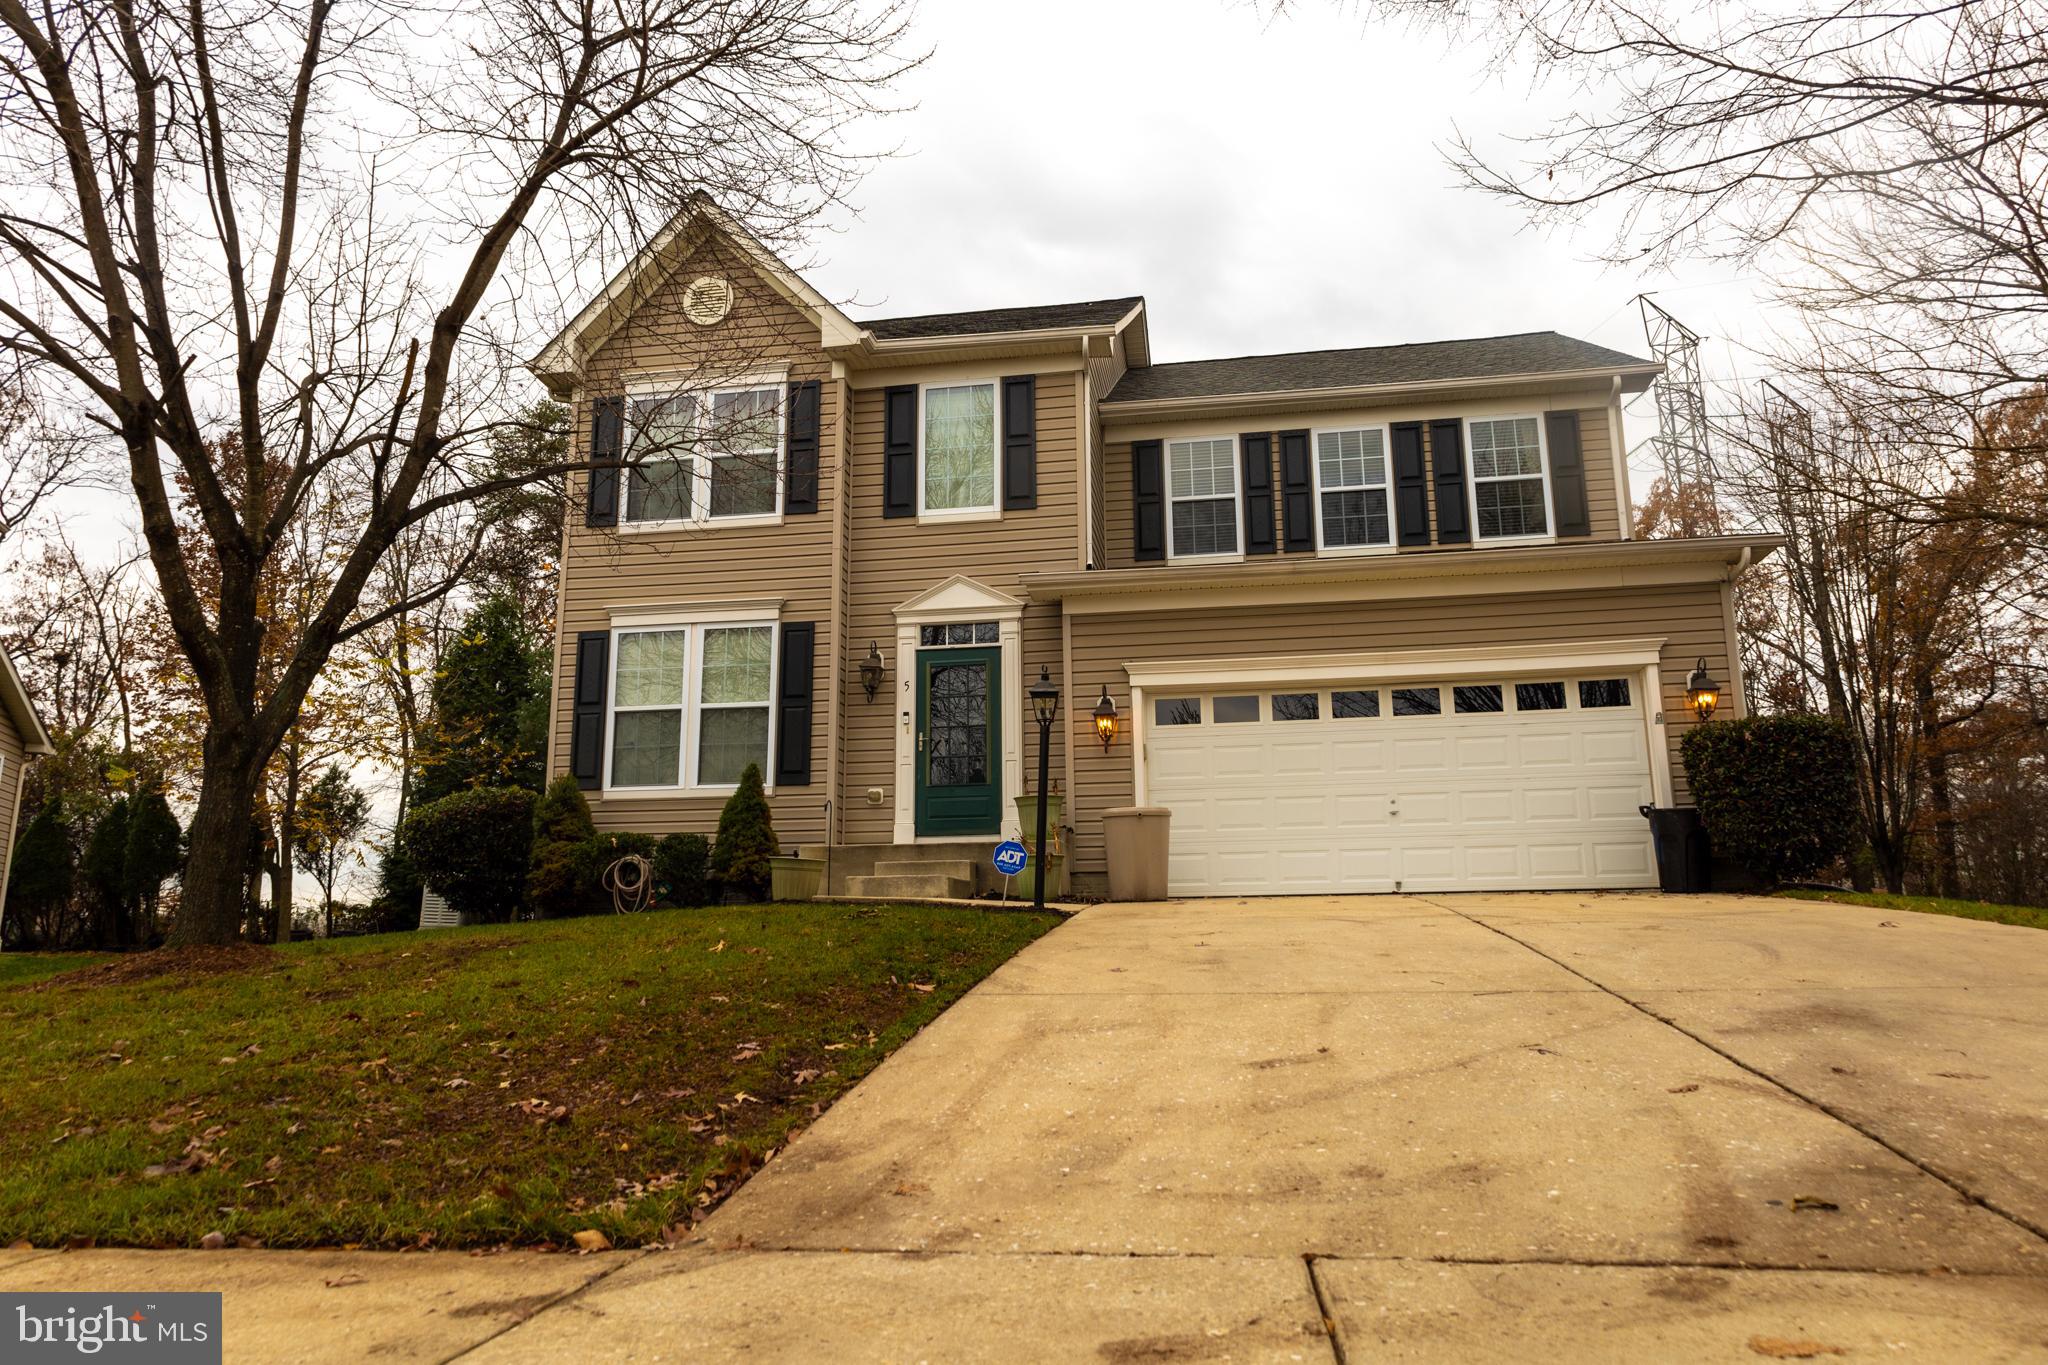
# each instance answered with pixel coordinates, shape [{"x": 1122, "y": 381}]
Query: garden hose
[{"x": 631, "y": 882}]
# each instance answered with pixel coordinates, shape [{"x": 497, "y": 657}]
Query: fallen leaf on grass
[
  {"x": 1782, "y": 1348},
  {"x": 214, "y": 1241},
  {"x": 718, "y": 947},
  {"x": 590, "y": 1239},
  {"x": 745, "y": 1051},
  {"x": 806, "y": 1076},
  {"x": 920, "y": 986},
  {"x": 454, "y": 1083}
]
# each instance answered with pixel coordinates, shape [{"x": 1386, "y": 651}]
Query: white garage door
[{"x": 1424, "y": 786}]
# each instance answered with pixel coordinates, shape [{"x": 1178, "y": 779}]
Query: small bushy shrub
[
  {"x": 1776, "y": 793},
  {"x": 746, "y": 840},
  {"x": 682, "y": 864},
  {"x": 474, "y": 848},
  {"x": 557, "y": 885}
]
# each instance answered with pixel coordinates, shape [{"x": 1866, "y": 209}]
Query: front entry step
[
  {"x": 950, "y": 869},
  {"x": 910, "y": 886}
]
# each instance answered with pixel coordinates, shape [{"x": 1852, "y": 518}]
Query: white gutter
[{"x": 1133, "y": 410}]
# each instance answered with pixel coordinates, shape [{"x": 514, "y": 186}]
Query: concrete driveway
[
  {"x": 1405, "y": 1128},
  {"x": 1420, "y": 1127}
]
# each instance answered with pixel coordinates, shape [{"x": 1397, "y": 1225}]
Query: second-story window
[
  {"x": 1201, "y": 488},
  {"x": 1508, "y": 495},
  {"x": 706, "y": 456},
  {"x": 1351, "y": 478},
  {"x": 959, "y": 448}
]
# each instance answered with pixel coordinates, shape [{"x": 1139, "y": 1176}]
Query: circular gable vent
[{"x": 707, "y": 300}]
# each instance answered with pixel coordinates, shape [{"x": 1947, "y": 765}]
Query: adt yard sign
[{"x": 1010, "y": 857}]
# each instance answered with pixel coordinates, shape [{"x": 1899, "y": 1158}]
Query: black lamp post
[{"x": 1045, "y": 704}]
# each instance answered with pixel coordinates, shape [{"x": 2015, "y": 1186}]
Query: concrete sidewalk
[{"x": 1441, "y": 1127}]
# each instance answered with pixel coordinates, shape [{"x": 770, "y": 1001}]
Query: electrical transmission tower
[{"x": 1681, "y": 439}]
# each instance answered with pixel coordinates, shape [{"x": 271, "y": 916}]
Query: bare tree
[
  {"x": 314, "y": 230},
  {"x": 38, "y": 455}
]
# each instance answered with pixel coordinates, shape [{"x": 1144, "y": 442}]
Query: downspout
[
  {"x": 1615, "y": 439},
  {"x": 1736, "y": 571},
  {"x": 835, "y": 682}
]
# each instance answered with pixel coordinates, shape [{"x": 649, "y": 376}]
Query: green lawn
[
  {"x": 18, "y": 967},
  {"x": 458, "y": 1087},
  {"x": 2032, "y": 916}
]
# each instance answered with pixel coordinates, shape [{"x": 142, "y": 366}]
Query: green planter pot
[
  {"x": 1025, "y": 883},
  {"x": 795, "y": 879}
]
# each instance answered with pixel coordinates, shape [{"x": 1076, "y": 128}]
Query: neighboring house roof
[
  {"x": 14, "y": 700},
  {"x": 1525, "y": 353},
  {"x": 1036, "y": 318}
]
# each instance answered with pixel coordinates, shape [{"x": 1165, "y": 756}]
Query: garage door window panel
[
  {"x": 1177, "y": 711},
  {"x": 1510, "y": 485},
  {"x": 1599, "y": 693},
  {"x": 1352, "y": 489},
  {"x": 1354, "y": 705},
  {"x": 1235, "y": 710},
  {"x": 1418, "y": 701},
  {"x": 1539, "y": 696},
  {"x": 1297, "y": 705},
  {"x": 1482, "y": 699},
  {"x": 1202, "y": 490}
]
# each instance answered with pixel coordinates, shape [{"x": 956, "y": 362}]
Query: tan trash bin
[{"x": 1136, "y": 836}]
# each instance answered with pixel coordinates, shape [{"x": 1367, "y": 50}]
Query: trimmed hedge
[
  {"x": 682, "y": 864},
  {"x": 557, "y": 884},
  {"x": 1776, "y": 793},
  {"x": 474, "y": 848}
]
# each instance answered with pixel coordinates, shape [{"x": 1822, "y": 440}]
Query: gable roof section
[
  {"x": 560, "y": 362},
  {"x": 1478, "y": 358},
  {"x": 14, "y": 700},
  {"x": 1036, "y": 318}
]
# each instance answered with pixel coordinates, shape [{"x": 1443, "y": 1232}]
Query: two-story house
[{"x": 1370, "y": 619}]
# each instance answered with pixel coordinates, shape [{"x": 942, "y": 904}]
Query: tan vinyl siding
[
  {"x": 13, "y": 768},
  {"x": 604, "y": 570},
  {"x": 1689, "y": 617},
  {"x": 891, "y": 560},
  {"x": 1596, "y": 452}
]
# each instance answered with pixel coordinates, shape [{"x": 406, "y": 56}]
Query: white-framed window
[
  {"x": 1510, "y": 478},
  {"x": 691, "y": 705},
  {"x": 705, "y": 456},
  {"x": 956, "y": 449},
  {"x": 1354, "y": 494},
  {"x": 1202, "y": 514}
]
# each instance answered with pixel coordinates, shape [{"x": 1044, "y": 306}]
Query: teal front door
[{"x": 959, "y": 724}]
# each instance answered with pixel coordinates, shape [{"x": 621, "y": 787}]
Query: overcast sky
[{"x": 1268, "y": 186}]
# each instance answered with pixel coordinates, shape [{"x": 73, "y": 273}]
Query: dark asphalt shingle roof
[
  {"x": 1476, "y": 358},
  {"x": 1044, "y": 316}
]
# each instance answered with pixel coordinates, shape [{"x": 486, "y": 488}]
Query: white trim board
[{"x": 959, "y": 598}]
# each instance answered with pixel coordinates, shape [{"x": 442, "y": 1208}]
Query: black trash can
[{"x": 1684, "y": 861}]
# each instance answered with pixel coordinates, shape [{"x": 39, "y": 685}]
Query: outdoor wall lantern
[
  {"x": 1105, "y": 719},
  {"x": 1701, "y": 692},
  {"x": 871, "y": 670}
]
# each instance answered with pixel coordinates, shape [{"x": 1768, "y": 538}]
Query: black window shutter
[
  {"x": 1568, "y": 474},
  {"x": 899, "y": 451},
  {"x": 586, "y": 733},
  {"x": 607, "y": 420},
  {"x": 1411, "y": 484},
  {"x": 793, "y": 705},
  {"x": 800, "y": 461},
  {"x": 1148, "y": 500},
  {"x": 1256, "y": 450},
  {"x": 1020, "y": 442},
  {"x": 1297, "y": 492},
  {"x": 1447, "y": 454}
]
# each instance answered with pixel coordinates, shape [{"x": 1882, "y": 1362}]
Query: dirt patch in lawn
[{"x": 185, "y": 963}]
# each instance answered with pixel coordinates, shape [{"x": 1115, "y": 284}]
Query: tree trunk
[
  {"x": 281, "y": 878},
  {"x": 215, "y": 884},
  {"x": 1940, "y": 794}
]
